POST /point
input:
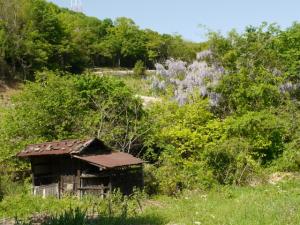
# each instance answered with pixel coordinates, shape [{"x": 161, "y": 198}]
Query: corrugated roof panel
[
  {"x": 111, "y": 160},
  {"x": 104, "y": 158}
]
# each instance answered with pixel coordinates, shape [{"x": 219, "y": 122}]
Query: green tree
[
  {"x": 156, "y": 47},
  {"x": 124, "y": 41}
]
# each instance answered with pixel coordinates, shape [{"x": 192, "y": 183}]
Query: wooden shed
[{"x": 81, "y": 167}]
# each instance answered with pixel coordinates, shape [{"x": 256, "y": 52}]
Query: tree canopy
[{"x": 35, "y": 34}]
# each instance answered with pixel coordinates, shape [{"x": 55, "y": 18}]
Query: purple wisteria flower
[
  {"x": 214, "y": 99},
  {"x": 289, "y": 87},
  {"x": 196, "y": 78},
  {"x": 204, "y": 54}
]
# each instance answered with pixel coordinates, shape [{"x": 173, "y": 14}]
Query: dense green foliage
[
  {"x": 259, "y": 62},
  {"x": 35, "y": 34},
  {"x": 139, "y": 68},
  {"x": 59, "y": 107},
  {"x": 252, "y": 128}
]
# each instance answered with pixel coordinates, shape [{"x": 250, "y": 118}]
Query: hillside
[{"x": 217, "y": 123}]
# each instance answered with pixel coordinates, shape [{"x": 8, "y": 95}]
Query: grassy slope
[
  {"x": 267, "y": 204},
  {"x": 7, "y": 90},
  {"x": 138, "y": 85}
]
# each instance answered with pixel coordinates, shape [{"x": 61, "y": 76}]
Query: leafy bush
[
  {"x": 264, "y": 131},
  {"x": 151, "y": 182},
  {"x": 177, "y": 141},
  {"x": 290, "y": 159},
  {"x": 230, "y": 161},
  {"x": 172, "y": 126},
  {"x": 174, "y": 176},
  {"x": 192, "y": 147},
  {"x": 139, "y": 68},
  {"x": 242, "y": 92}
]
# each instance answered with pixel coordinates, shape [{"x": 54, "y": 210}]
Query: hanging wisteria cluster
[
  {"x": 289, "y": 87},
  {"x": 198, "y": 78}
]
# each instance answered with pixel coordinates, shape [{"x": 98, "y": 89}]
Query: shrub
[
  {"x": 151, "y": 183},
  {"x": 230, "y": 161},
  {"x": 264, "y": 131},
  {"x": 139, "y": 68},
  {"x": 174, "y": 177},
  {"x": 290, "y": 159}
]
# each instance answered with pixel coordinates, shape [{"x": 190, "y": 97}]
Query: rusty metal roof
[
  {"x": 111, "y": 160},
  {"x": 55, "y": 148},
  {"x": 105, "y": 158}
]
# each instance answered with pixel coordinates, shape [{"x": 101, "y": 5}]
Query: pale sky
[{"x": 185, "y": 16}]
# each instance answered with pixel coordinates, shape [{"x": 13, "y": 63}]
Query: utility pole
[{"x": 76, "y": 5}]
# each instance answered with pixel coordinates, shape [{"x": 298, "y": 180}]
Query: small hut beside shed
[{"x": 81, "y": 167}]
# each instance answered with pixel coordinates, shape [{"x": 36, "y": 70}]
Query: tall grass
[
  {"x": 140, "y": 86},
  {"x": 262, "y": 205}
]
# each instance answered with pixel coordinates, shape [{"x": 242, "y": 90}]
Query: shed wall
[
  {"x": 128, "y": 178},
  {"x": 59, "y": 175}
]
